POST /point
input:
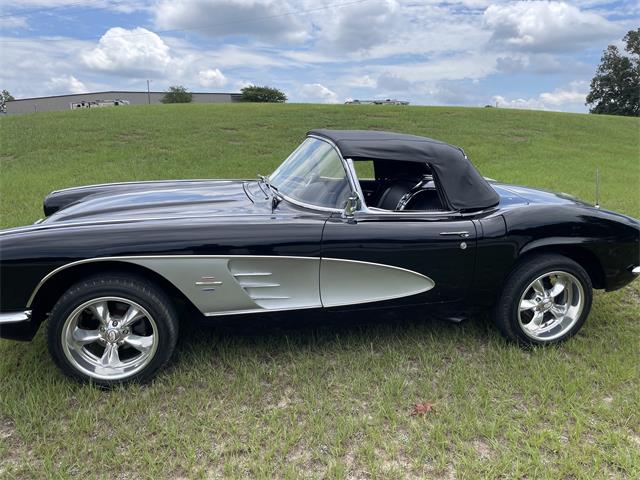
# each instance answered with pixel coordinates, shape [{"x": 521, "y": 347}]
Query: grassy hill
[
  {"x": 331, "y": 397},
  {"x": 44, "y": 151}
]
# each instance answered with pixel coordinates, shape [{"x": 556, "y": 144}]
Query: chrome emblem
[
  {"x": 208, "y": 283},
  {"x": 112, "y": 336}
]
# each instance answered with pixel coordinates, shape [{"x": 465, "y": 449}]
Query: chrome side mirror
[{"x": 351, "y": 206}]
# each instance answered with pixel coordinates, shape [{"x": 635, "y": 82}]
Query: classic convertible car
[{"x": 109, "y": 264}]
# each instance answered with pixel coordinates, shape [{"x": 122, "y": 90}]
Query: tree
[
  {"x": 253, "y": 93},
  {"x": 5, "y": 97},
  {"x": 177, "y": 94},
  {"x": 615, "y": 89}
]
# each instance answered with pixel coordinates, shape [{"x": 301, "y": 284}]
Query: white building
[{"x": 87, "y": 100}]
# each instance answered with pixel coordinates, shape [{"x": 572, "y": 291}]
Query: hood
[{"x": 151, "y": 200}]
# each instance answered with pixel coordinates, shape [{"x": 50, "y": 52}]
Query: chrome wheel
[
  {"x": 551, "y": 305},
  {"x": 110, "y": 338}
]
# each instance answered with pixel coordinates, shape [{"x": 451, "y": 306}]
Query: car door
[{"x": 441, "y": 248}]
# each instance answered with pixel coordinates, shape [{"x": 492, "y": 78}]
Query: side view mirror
[{"x": 352, "y": 205}]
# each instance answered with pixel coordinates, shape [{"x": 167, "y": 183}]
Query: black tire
[
  {"x": 506, "y": 311},
  {"x": 131, "y": 288}
]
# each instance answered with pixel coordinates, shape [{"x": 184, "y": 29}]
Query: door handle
[{"x": 457, "y": 234}]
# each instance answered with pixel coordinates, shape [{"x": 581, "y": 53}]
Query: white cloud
[
  {"x": 46, "y": 3},
  {"x": 453, "y": 67},
  {"x": 13, "y": 23},
  {"x": 359, "y": 81},
  {"x": 66, "y": 84},
  {"x": 574, "y": 95},
  {"x": 318, "y": 92},
  {"x": 29, "y": 66},
  {"x": 135, "y": 52},
  {"x": 263, "y": 19},
  {"x": 211, "y": 78},
  {"x": 240, "y": 84},
  {"x": 541, "y": 63},
  {"x": 545, "y": 26},
  {"x": 571, "y": 98},
  {"x": 360, "y": 26}
]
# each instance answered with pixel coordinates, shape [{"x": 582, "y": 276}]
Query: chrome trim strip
[
  {"x": 256, "y": 310},
  {"x": 45, "y": 226},
  {"x": 418, "y": 213},
  {"x": 358, "y": 188},
  {"x": 308, "y": 205},
  {"x": 252, "y": 274},
  {"x": 15, "y": 317},
  {"x": 131, "y": 182},
  {"x": 258, "y": 285},
  {"x": 463, "y": 234}
]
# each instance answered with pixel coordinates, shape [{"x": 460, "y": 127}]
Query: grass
[{"x": 330, "y": 397}]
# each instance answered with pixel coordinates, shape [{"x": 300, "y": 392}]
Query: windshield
[{"x": 313, "y": 174}]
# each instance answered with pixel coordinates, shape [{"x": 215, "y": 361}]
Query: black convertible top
[{"x": 462, "y": 185}]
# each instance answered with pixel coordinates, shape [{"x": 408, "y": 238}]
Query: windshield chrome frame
[{"x": 347, "y": 171}]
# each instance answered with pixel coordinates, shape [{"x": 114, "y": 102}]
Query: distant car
[{"x": 109, "y": 263}]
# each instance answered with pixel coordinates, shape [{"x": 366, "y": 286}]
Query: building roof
[
  {"x": 112, "y": 92},
  {"x": 461, "y": 184}
]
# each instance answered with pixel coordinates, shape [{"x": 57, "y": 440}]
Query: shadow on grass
[{"x": 273, "y": 333}]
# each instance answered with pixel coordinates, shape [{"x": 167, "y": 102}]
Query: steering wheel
[{"x": 406, "y": 198}]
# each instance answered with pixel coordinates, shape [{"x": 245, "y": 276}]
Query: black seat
[
  {"x": 426, "y": 200},
  {"x": 393, "y": 193}
]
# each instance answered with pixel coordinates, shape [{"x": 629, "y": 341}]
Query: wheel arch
[
  {"x": 579, "y": 254},
  {"x": 60, "y": 280}
]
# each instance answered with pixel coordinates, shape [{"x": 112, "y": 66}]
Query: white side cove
[
  {"x": 241, "y": 284},
  {"x": 227, "y": 285},
  {"x": 349, "y": 282}
]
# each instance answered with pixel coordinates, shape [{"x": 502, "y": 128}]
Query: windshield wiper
[
  {"x": 264, "y": 179},
  {"x": 275, "y": 198}
]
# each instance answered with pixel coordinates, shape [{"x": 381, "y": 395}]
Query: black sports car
[{"x": 109, "y": 263}]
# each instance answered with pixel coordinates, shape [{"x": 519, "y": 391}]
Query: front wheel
[
  {"x": 546, "y": 299},
  {"x": 112, "y": 329}
]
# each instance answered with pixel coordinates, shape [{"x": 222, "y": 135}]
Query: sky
[{"x": 520, "y": 54}]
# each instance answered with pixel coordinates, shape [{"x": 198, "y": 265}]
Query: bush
[
  {"x": 177, "y": 94},
  {"x": 253, "y": 93}
]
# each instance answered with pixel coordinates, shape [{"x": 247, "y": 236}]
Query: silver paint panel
[
  {"x": 228, "y": 285},
  {"x": 349, "y": 282},
  {"x": 293, "y": 281}
]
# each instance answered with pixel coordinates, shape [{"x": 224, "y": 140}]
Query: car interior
[{"x": 398, "y": 186}]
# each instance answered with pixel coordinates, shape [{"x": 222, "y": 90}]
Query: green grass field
[{"x": 328, "y": 398}]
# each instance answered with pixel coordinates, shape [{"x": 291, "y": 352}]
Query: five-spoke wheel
[
  {"x": 546, "y": 299},
  {"x": 110, "y": 337},
  {"x": 551, "y": 305},
  {"x": 112, "y": 329}
]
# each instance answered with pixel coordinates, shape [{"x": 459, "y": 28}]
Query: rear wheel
[
  {"x": 546, "y": 300},
  {"x": 112, "y": 329}
]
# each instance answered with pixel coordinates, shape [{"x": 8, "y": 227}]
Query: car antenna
[{"x": 597, "y": 205}]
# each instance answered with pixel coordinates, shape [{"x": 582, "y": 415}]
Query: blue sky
[{"x": 524, "y": 54}]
